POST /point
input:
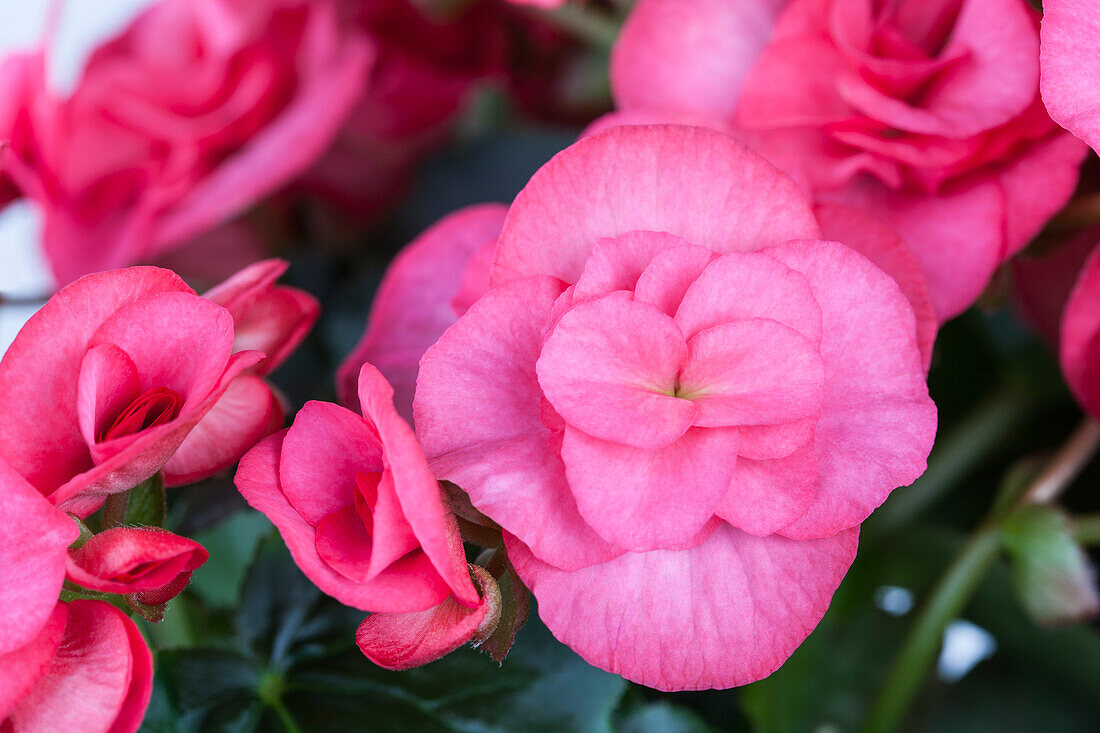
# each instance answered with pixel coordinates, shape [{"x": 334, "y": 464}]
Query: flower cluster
[{"x": 661, "y": 389}]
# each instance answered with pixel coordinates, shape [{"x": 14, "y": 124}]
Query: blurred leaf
[
  {"x": 1052, "y": 575},
  {"x": 231, "y": 544},
  {"x": 660, "y": 717},
  {"x": 146, "y": 505}
]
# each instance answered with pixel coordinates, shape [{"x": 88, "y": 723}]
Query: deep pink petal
[
  {"x": 609, "y": 367},
  {"x": 691, "y": 57},
  {"x": 1080, "y": 347},
  {"x": 407, "y": 640},
  {"x": 32, "y": 558},
  {"x": 416, "y": 487},
  {"x": 412, "y": 307},
  {"x": 39, "y": 427},
  {"x": 1070, "y": 58},
  {"x": 877, "y": 422},
  {"x": 408, "y": 585},
  {"x": 724, "y": 613},
  {"x": 108, "y": 383},
  {"x": 133, "y": 559},
  {"x": 752, "y": 372},
  {"x": 100, "y": 678},
  {"x": 483, "y": 369},
  {"x": 697, "y": 184},
  {"x": 22, "y": 667},
  {"x": 643, "y": 499},
  {"x": 246, "y": 413}
]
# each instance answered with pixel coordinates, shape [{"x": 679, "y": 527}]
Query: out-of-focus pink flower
[
  {"x": 1042, "y": 281},
  {"x": 103, "y": 384},
  {"x": 150, "y": 562},
  {"x": 196, "y": 111},
  {"x": 87, "y": 669},
  {"x": 358, "y": 507},
  {"x": 633, "y": 428},
  {"x": 424, "y": 72},
  {"x": 1080, "y": 347},
  {"x": 1070, "y": 58},
  {"x": 33, "y": 550},
  {"x": 925, "y": 114},
  {"x": 427, "y": 287}
]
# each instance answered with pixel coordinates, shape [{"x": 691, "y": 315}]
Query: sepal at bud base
[
  {"x": 1052, "y": 574},
  {"x": 400, "y": 641},
  {"x": 514, "y": 608}
]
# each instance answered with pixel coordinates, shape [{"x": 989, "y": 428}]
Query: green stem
[
  {"x": 284, "y": 716},
  {"x": 114, "y": 509},
  {"x": 923, "y": 643},
  {"x": 1069, "y": 461},
  {"x": 1086, "y": 529},
  {"x": 981, "y": 434},
  {"x": 583, "y": 23}
]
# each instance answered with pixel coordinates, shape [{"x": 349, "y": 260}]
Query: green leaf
[
  {"x": 232, "y": 544},
  {"x": 1052, "y": 575},
  {"x": 146, "y": 505},
  {"x": 661, "y": 717}
]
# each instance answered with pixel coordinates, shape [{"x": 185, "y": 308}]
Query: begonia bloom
[
  {"x": 103, "y": 384},
  {"x": 358, "y": 507},
  {"x": 194, "y": 112},
  {"x": 924, "y": 114},
  {"x": 88, "y": 669},
  {"x": 678, "y": 402},
  {"x": 150, "y": 562},
  {"x": 1080, "y": 342}
]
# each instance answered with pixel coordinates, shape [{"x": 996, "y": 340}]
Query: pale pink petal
[
  {"x": 1070, "y": 58},
  {"x": 697, "y": 184},
  {"x": 610, "y": 366},
  {"x": 765, "y": 288},
  {"x": 752, "y": 372},
  {"x": 882, "y": 246},
  {"x": 32, "y": 558},
  {"x": 483, "y": 369},
  {"x": 877, "y": 422},
  {"x": 668, "y": 276},
  {"x": 1080, "y": 349},
  {"x": 724, "y": 613},
  {"x": 22, "y": 667},
  {"x": 642, "y": 499},
  {"x": 616, "y": 264},
  {"x": 412, "y": 307},
  {"x": 767, "y": 495},
  {"x": 689, "y": 57}
]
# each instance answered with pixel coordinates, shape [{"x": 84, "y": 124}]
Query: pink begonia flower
[
  {"x": 1042, "y": 281},
  {"x": 1069, "y": 54},
  {"x": 678, "y": 402},
  {"x": 105, "y": 382},
  {"x": 924, "y": 113},
  {"x": 33, "y": 551},
  {"x": 88, "y": 669},
  {"x": 358, "y": 507},
  {"x": 1080, "y": 345},
  {"x": 196, "y": 111},
  {"x": 150, "y": 562},
  {"x": 430, "y": 283}
]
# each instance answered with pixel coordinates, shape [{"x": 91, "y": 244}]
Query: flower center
[
  {"x": 366, "y": 498},
  {"x": 153, "y": 407}
]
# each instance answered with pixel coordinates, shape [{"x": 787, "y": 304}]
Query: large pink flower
[
  {"x": 427, "y": 287},
  {"x": 1070, "y": 59},
  {"x": 924, "y": 113},
  {"x": 357, "y": 505},
  {"x": 678, "y": 402},
  {"x": 105, "y": 382},
  {"x": 197, "y": 110},
  {"x": 87, "y": 669},
  {"x": 1080, "y": 343}
]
